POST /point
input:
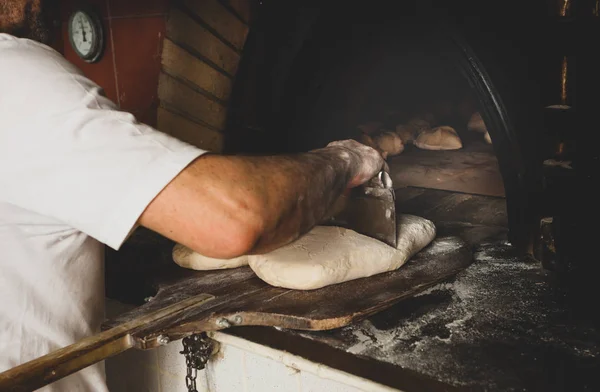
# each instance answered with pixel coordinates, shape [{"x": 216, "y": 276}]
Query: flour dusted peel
[
  {"x": 328, "y": 255},
  {"x": 187, "y": 258}
]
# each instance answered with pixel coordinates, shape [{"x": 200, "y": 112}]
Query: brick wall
[{"x": 201, "y": 52}]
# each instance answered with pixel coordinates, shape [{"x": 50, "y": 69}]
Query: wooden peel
[
  {"x": 60, "y": 363},
  {"x": 189, "y": 302}
]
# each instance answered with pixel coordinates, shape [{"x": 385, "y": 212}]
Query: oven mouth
[{"x": 286, "y": 99}]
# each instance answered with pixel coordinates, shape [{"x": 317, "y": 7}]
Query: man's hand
[{"x": 365, "y": 162}]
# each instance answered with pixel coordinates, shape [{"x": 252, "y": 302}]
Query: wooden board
[
  {"x": 445, "y": 206},
  {"x": 473, "y": 169},
  {"x": 242, "y": 299}
]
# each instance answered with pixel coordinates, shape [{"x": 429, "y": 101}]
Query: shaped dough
[
  {"x": 187, "y": 258},
  {"x": 419, "y": 124},
  {"x": 487, "y": 138},
  {"x": 367, "y": 140},
  {"x": 388, "y": 143},
  {"x": 406, "y": 133},
  {"x": 328, "y": 255},
  {"x": 370, "y": 127},
  {"x": 440, "y": 138},
  {"x": 476, "y": 123}
]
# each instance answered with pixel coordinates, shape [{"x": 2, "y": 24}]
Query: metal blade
[{"x": 370, "y": 211}]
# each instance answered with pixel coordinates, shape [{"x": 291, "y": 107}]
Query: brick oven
[
  {"x": 313, "y": 72},
  {"x": 316, "y": 72},
  {"x": 270, "y": 77}
]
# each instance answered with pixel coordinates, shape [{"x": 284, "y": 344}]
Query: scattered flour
[
  {"x": 443, "y": 245},
  {"x": 496, "y": 326}
]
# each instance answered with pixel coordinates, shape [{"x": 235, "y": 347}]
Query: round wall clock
[{"x": 86, "y": 34}]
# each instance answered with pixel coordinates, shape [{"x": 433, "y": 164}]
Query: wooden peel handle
[
  {"x": 49, "y": 368},
  {"x": 42, "y": 371}
]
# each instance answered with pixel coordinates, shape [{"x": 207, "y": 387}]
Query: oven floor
[
  {"x": 502, "y": 324},
  {"x": 472, "y": 169},
  {"x": 442, "y": 206}
]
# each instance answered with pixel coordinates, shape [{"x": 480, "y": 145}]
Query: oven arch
[{"x": 496, "y": 61}]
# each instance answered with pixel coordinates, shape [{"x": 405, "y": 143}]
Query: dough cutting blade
[{"x": 369, "y": 209}]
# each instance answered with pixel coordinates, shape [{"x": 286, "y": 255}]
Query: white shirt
[{"x": 74, "y": 173}]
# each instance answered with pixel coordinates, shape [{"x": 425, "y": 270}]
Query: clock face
[{"x": 86, "y": 35}]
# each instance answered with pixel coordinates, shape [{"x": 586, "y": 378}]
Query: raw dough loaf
[
  {"x": 328, "y": 255},
  {"x": 406, "y": 133},
  {"x": 367, "y": 140},
  {"x": 476, "y": 124},
  {"x": 388, "y": 143},
  {"x": 419, "y": 124},
  {"x": 487, "y": 138},
  {"x": 440, "y": 138},
  {"x": 187, "y": 258},
  {"x": 409, "y": 131},
  {"x": 370, "y": 127}
]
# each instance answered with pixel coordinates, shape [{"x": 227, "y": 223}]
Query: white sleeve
[{"x": 66, "y": 151}]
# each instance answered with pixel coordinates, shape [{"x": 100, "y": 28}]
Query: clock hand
[{"x": 82, "y": 30}]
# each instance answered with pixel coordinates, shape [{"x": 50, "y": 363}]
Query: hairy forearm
[
  {"x": 298, "y": 194},
  {"x": 289, "y": 193},
  {"x": 224, "y": 206}
]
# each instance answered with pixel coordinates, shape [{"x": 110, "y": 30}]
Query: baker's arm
[{"x": 225, "y": 206}]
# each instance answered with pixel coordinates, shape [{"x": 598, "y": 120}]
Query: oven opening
[
  {"x": 415, "y": 91},
  {"x": 422, "y": 113},
  {"x": 426, "y": 119},
  {"x": 412, "y": 103}
]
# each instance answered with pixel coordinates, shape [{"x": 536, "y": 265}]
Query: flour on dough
[
  {"x": 328, "y": 255},
  {"x": 187, "y": 258}
]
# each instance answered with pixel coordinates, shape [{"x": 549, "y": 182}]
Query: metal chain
[
  {"x": 197, "y": 349},
  {"x": 190, "y": 378}
]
